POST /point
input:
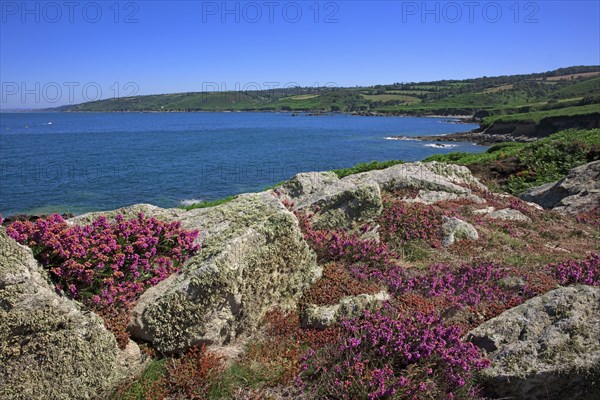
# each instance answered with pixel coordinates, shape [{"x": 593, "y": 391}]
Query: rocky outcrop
[
  {"x": 454, "y": 229},
  {"x": 523, "y": 130},
  {"x": 547, "y": 348},
  {"x": 253, "y": 257},
  {"x": 579, "y": 191},
  {"x": 49, "y": 347},
  {"x": 423, "y": 176},
  {"x": 321, "y": 317},
  {"x": 339, "y": 203},
  {"x": 436, "y": 196},
  {"x": 508, "y": 214}
]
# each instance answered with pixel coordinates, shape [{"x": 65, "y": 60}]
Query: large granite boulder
[
  {"x": 340, "y": 203},
  {"x": 253, "y": 257},
  {"x": 337, "y": 202},
  {"x": 547, "y": 348},
  {"x": 433, "y": 176},
  {"x": 49, "y": 347},
  {"x": 578, "y": 192}
]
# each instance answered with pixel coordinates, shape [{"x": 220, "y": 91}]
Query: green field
[
  {"x": 514, "y": 98},
  {"x": 388, "y": 97}
]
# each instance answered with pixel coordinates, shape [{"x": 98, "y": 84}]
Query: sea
[{"x": 81, "y": 162}]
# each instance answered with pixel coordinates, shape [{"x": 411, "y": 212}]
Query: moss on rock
[
  {"x": 253, "y": 257},
  {"x": 49, "y": 347}
]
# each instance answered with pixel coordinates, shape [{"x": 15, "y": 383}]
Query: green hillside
[{"x": 562, "y": 91}]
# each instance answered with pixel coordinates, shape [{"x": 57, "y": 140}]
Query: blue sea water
[{"x": 80, "y": 162}]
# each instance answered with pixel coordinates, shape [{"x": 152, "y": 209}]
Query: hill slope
[{"x": 483, "y": 97}]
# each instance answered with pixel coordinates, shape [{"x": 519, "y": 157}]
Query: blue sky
[{"x": 54, "y": 53}]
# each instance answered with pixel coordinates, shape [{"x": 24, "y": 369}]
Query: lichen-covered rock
[
  {"x": 579, "y": 191},
  {"x": 508, "y": 214},
  {"x": 253, "y": 257},
  {"x": 49, "y": 347},
  {"x": 321, "y": 317},
  {"x": 433, "y": 176},
  {"x": 128, "y": 212},
  {"x": 339, "y": 203},
  {"x": 336, "y": 203},
  {"x": 547, "y": 348},
  {"x": 307, "y": 183},
  {"x": 435, "y": 196},
  {"x": 454, "y": 229},
  {"x": 457, "y": 174},
  {"x": 482, "y": 211}
]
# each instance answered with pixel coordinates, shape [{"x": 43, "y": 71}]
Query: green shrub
[{"x": 365, "y": 167}]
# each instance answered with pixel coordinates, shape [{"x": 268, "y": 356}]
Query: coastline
[{"x": 475, "y": 136}]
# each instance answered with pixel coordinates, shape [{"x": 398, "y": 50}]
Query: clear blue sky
[{"x": 184, "y": 46}]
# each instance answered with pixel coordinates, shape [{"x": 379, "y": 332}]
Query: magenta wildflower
[{"x": 106, "y": 263}]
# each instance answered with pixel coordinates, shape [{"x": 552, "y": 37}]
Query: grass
[
  {"x": 391, "y": 97},
  {"x": 545, "y": 160},
  {"x": 274, "y": 186},
  {"x": 365, "y": 167},
  {"x": 588, "y": 138},
  {"x": 501, "y": 95},
  {"x": 537, "y": 116},
  {"x": 211, "y": 203},
  {"x": 237, "y": 376},
  {"x": 137, "y": 389},
  {"x": 301, "y": 97}
]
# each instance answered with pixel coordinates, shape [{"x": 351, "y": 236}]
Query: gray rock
[
  {"x": 321, "y": 317},
  {"x": 579, "y": 191},
  {"x": 435, "y": 196},
  {"x": 547, "y": 348},
  {"x": 454, "y": 229},
  {"x": 49, "y": 347},
  {"x": 357, "y": 198},
  {"x": 508, "y": 214},
  {"x": 432, "y": 176},
  {"x": 307, "y": 183},
  {"x": 339, "y": 203},
  {"x": 253, "y": 257},
  {"x": 128, "y": 212},
  {"x": 482, "y": 211}
]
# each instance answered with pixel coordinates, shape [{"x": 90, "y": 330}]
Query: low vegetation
[
  {"x": 210, "y": 203},
  {"x": 515, "y": 167},
  {"x": 411, "y": 347},
  {"x": 364, "y": 167},
  {"x": 107, "y": 265}
]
